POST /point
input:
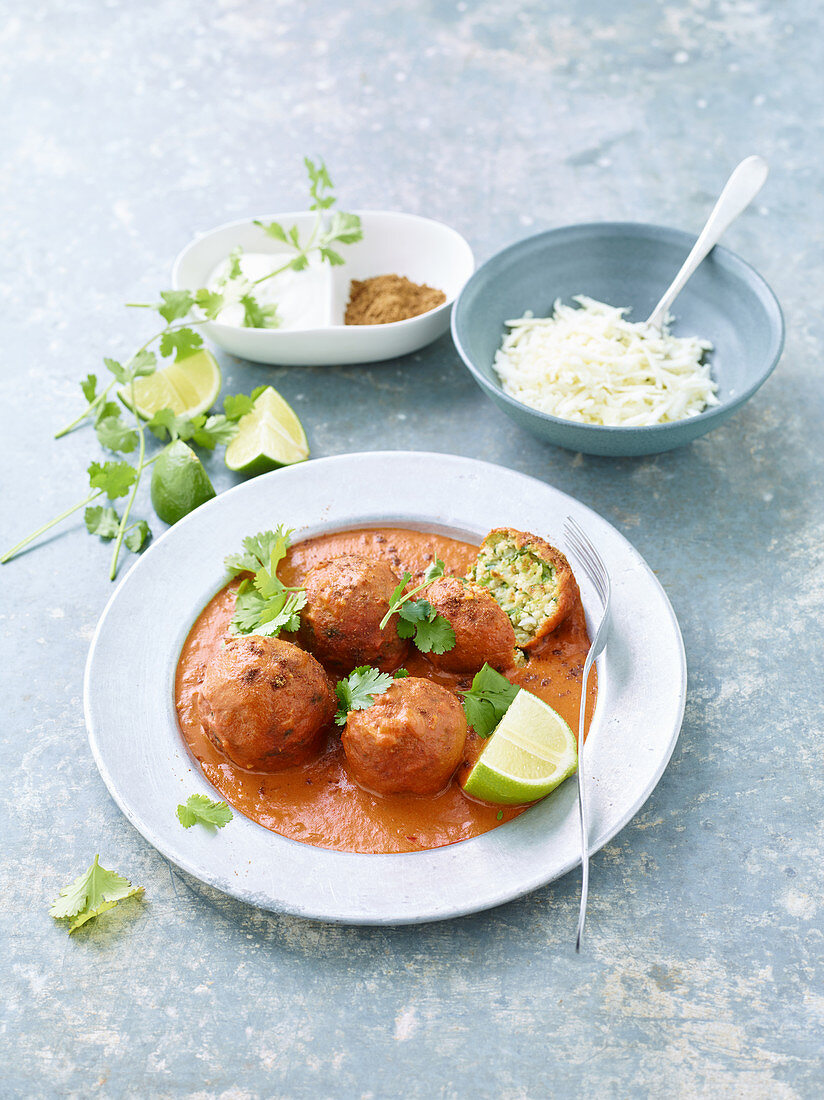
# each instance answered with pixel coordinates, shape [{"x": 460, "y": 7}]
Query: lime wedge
[
  {"x": 179, "y": 483},
  {"x": 188, "y": 386},
  {"x": 529, "y": 754},
  {"x": 267, "y": 437}
]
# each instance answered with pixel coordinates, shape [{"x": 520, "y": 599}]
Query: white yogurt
[{"x": 303, "y": 298}]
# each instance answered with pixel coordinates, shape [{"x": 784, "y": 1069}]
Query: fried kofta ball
[
  {"x": 483, "y": 633},
  {"x": 264, "y": 702},
  {"x": 346, "y": 599},
  {"x": 409, "y": 741},
  {"x": 531, "y": 580}
]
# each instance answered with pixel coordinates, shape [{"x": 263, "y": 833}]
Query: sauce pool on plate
[{"x": 317, "y": 802}]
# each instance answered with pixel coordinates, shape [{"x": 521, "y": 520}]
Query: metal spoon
[{"x": 741, "y": 188}]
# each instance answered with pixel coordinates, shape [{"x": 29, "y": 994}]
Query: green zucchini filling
[{"x": 522, "y": 583}]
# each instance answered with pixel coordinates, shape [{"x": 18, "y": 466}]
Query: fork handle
[{"x": 582, "y": 805}]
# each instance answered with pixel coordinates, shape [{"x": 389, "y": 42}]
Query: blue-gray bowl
[{"x": 624, "y": 264}]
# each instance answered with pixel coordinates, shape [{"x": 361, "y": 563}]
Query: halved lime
[
  {"x": 188, "y": 386},
  {"x": 179, "y": 483},
  {"x": 267, "y": 437},
  {"x": 529, "y": 754}
]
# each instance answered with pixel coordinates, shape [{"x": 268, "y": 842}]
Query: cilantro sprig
[
  {"x": 198, "y": 809},
  {"x": 264, "y": 605},
  {"x": 117, "y": 477},
  {"x": 181, "y": 312},
  {"x": 430, "y": 631},
  {"x": 417, "y": 619},
  {"x": 92, "y": 893},
  {"x": 327, "y": 235},
  {"x": 358, "y": 690},
  {"x": 488, "y": 700}
]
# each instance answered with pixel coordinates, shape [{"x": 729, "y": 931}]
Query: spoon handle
[{"x": 741, "y": 188}]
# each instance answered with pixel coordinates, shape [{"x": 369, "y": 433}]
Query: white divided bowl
[{"x": 423, "y": 250}]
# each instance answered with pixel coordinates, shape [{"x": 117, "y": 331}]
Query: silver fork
[{"x": 593, "y": 566}]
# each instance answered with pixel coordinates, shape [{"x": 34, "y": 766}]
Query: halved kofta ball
[
  {"x": 264, "y": 702},
  {"x": 409, "y": 741},
  {"x": 483, "y": 632},
  {"x": 531, "y": 580},
  {"x": 346, "y": 599}
]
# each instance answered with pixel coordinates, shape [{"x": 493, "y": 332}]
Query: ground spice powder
[{"x": 387, "y": 298}]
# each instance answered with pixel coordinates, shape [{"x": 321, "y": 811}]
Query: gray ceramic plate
[
  {"x": 146, "y": 766},
  {"x": 624, "y": 264}
]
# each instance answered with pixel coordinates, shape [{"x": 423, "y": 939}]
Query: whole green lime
[{"x": 179, "y": 483}]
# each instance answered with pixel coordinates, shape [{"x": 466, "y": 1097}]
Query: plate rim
[{"x": 204, "y": 875}]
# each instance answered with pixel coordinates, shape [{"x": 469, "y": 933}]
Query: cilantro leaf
[
  {"x": 274, "y": 230},
  {"x": 114, "y": 433},
  {"x": 396, "y": 598},
  {"x": 488, "y": 700},
  {"x": 399, "y": 597},
  {"x": 415, "y": 611},
  {"x": 145, "y": 362},
  {"x": 181, "y": 341},
  {"x": 319, "y": 183},
  {"x": 199, "y": 809},
  {"x": 358, "y": 690},
  {"x": 418, "y": 619},
  {"x": 236, "y": 405},
  {"x": 235, "y": 271},
  {"x": 89, "y": 387},
  {"x": 166, "y": 424},
  {"x": 267, "y": 582},
  {"x": 343, "y": 229},
  {"x": 481, "y": 714},
  {"x": 175, "y": 305},
  {"x": 210, "y": 301},
  {"x": 101, "y": 521},
  {"x": 136, "y": 535},
  {"x": 91, "y": 894},
  {"x": 434, "y": 570},
  {"x": 256, "y": 315},
  {"x": 333, "y": 258},
  {"x": 431, "y": 632},
  {"x": 213, "y": 430},
  {"x": 258, "y": 614},
  {"x": 117, "y": 369},
  {"x": 205, "y": 431},
  {"x": 264, "y": 605},
  {"x": 108, "y": 408},
  {"x": 114, "y": 478},
  {"x": 434, "y": 635},
  {"x": 261, "y": 551}
]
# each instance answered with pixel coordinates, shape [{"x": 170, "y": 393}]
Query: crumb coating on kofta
[
  {"x": 483, "y": 632},
  {"x": 409, "y": 741},
  {"x": 264, "y": 703},
  {"x": 346, "y": 599}
]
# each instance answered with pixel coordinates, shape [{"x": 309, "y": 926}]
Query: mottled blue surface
[{"x": 127, "y": 127}]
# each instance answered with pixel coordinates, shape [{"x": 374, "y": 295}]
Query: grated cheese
[{"x": 591, "y": 365}]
